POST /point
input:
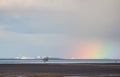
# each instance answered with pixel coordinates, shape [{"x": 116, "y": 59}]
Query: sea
[{"x": 37, "y": 61}]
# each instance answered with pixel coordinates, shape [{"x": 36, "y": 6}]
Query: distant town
[
  {"x": 42, "y": 57},
  {"x": 36, "y": 57}
]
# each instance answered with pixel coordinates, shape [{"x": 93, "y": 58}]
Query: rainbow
[{"x": 95, "y": 49}]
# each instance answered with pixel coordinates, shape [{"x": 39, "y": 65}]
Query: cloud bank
[{"x": 53, "y": 22}]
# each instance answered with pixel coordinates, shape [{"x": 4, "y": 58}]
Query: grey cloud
[
  {"x": 76, "y": 19},
  {"x": 79, "y": 18},
  {"x": 33, "y": 6}
]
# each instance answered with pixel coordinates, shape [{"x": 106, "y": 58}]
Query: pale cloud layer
[
  {"x": 55, "y": 22},
  {"x": 13, "y": 42},
  {"x": 36, "y": 39},
  {"x": 23, "y": 6}
]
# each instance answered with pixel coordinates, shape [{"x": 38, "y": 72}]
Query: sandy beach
[{"x": 72, "y": 69}]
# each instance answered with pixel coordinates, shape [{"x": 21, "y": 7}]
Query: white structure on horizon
[
  {"x": 38, "y": 57},
  {"x": 24, "y": 57}
]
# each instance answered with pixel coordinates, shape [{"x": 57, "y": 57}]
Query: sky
[{"x": 85, "y": 29}]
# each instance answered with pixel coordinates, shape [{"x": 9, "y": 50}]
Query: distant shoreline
[
  {"x": 58, "y": 61},
  {"x": 55, "y": 59}
]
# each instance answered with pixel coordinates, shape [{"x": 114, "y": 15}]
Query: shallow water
[{"x": 17, "y": 61}]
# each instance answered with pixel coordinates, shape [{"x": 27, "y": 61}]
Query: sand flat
[{"x": 72, "y": 69}]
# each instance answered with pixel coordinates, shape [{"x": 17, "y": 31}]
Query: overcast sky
[{"x": 54, "y": 27}]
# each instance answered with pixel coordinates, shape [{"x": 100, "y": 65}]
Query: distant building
[
  {"x": 24, "y": 57},
  {"x": 38, "y": 57},
  {"x": 45, "y": 59}
]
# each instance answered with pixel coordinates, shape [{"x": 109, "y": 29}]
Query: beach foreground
[{"x": 60, "y": 70}]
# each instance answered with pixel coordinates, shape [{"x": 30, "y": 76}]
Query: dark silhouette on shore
[{"x": 45, "y": 59}]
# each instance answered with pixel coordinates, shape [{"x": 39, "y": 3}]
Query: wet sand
[{"x": 72, "y": 69}]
